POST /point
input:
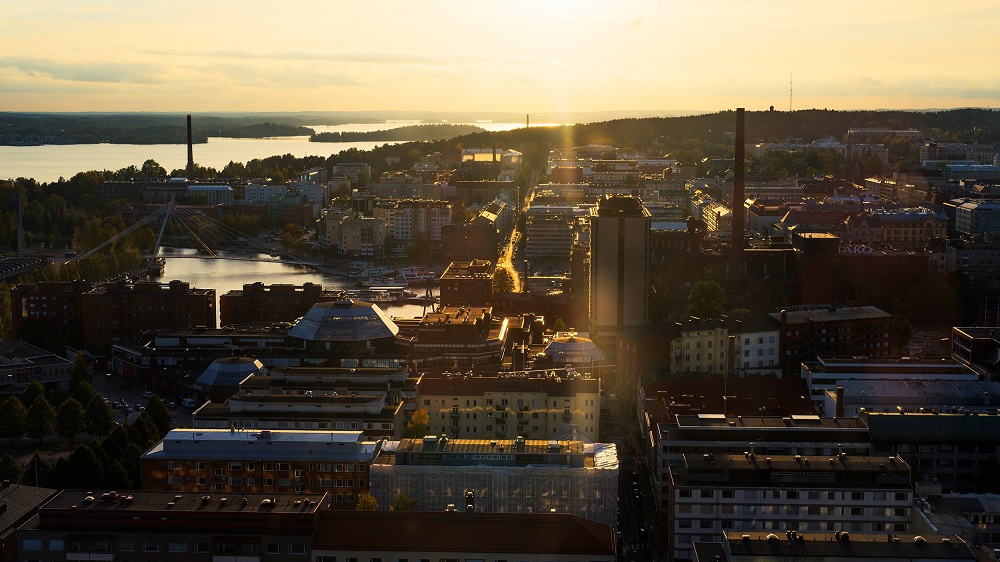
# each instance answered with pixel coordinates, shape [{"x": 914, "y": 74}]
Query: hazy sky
[{"x": 538, "y": 56}]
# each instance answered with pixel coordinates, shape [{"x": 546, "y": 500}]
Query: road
[
  {"x": 110, "y": 387},
  {"x": 506, "y": 258}
]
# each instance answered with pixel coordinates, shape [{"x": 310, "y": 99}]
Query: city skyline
[{"x": 545, "y": 58}]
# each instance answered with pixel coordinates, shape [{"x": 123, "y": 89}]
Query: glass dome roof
[{"x": 344, "y": 321}]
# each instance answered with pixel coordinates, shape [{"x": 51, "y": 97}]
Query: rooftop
[
  {"x": 559, "y": 385},
  {"x": 832, "y": 314},
  {"x": 842, "y": 546},
  {"x": 83, "y": 501},
  {"x": 344, "y": 321},
  {"x": 548, "y": 533},
  {"x": 799, "y": 464},
  {"x": 223, "y": 444}
]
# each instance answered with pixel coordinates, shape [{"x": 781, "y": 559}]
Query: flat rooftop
[
  {"x": 842, "y": 314},
  {"x": 854, "y": 546},
  {"x": 83, "y": 501},
  {"x": 797, "y": 463},
  {"x": 795, "y": 422},
  {"x": 275, "y": 444}
]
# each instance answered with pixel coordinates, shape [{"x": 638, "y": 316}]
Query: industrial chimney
[{"x": 190, "y": 167}]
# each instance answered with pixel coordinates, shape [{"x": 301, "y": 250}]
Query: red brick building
[
  {"x": 467, "y": 283},
  {"x": 832, "y": 332},
  {"x": 258, "y": 302}
]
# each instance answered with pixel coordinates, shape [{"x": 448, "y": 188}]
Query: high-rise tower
[{"x": 619, "y": 273}]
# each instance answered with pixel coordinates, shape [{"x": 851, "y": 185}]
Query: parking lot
[{"x": 127, "y": 400}]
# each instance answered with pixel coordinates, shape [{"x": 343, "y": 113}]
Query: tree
[
  {"x": 10, "y": 469},
  {"x": 160, "y": 415},
  {"x": 79, "y": 373},
  {"x": 706, "y": 300},
  {"x": 403, "y": 502},
  {"x": 417, "y": 427},
  {"x": 70, "y": 419},
  {"x": 503, "y": 281},
  {"x": 41, "y": 419},
  {"x": 84, "y": 393},
  {"x": 99, "y": 419},
  {"x": 38, "y": 472},
  {"x": 33, "y": 391},
  {"x": 366, "y": 503},
  {"x": 559, "y": 325},
  {"x": 13, "y": 418}
]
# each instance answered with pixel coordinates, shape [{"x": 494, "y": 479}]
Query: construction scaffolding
[{"x": 590, "y": 491}]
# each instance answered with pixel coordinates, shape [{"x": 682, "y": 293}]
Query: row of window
[
  {"x": 730, "y": 509},
  {"x": 282, "y": 467},
  {"x": 792, "y": 494},
  {"x": 165, "y": 546}
]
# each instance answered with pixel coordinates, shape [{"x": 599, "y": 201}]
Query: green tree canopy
[
  {"x": 13, "y": 418},
  {"x": 417, "y": 427},
  {"x": 403, "y": 502},
  {"x": 38, "y": 472},
  {"x": 160, "y": 415},
  {"x": 80, "y": 372},
  {"x": 366, "y": 503},
  {"x": 706, "y": 300},
  {"x": 99, "y": 419},
  {"x": 70, "y": 419},
  {"x": 10, "y": 469},
  {"x": 41, "y": 419},
  {"x": 503, "y": 281},
  {"x": 84, "y": 393},
  {"x": 33, "y": 391}
]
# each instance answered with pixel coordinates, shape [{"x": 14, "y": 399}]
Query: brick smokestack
[
  {"x": 739, "y": 216},
  {"x": 190, "y": 167}
]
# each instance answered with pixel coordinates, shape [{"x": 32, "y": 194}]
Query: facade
[
  {"x": 54, "y": 306},
  {"x": 266, "y": 462},
  {"x": 214, "y": 194},
  {"x": 712, "y": 494},
  {"x": 740, "y": 546},
  {"x": 977, "y": 348},
  {"x": 505, "y": 476},
  {"x": 409, "y": 216},
  {"x": 456, "y": 337},
  {"x": 832, "y": 332},
  {"x": 467, "y": 283},
  {"x": 159, "y": 525},
  {"x": 951, "y": 448},
  {"x": 258, "y": 302},
  {"x": 564, "y": 406},
  {"x": 826, "y": 373},
  {"x": 21, "y": 363},
  {"x": 490, "y": 537},
  {"x": 120, "y": 312},
  {"x": 912, "y": 396},
  {"x": 975, "y": 258},
  {"x": 356, "y": 235},
  {"x": 548, "y": 230},
  {"x": 976, "y": 216},
  {"x": 910, "y": 229},
  {"x": 619, "y": 265}
]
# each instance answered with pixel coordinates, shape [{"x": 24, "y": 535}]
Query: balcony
[
  {"x": 567, "y": 415},
  {"x": 455, "y": 414}
]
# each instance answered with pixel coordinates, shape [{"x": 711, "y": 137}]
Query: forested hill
[
  {"x": 138, "y": 128},
  {"x": 407, "y": 133}
]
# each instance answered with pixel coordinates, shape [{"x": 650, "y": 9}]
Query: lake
[{"x": 47, "y": 163}]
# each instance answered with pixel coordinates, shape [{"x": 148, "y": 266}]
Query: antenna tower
[{"x": 790, "y": 76}]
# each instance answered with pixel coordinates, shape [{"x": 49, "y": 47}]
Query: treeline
[
  {"x": 110, "y": 459},
  {"x": 131, "y": 128},
  {"x": 408, "y": 133}
]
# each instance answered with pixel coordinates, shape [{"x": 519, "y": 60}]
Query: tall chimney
[
  {"x": 190, "y": 168},
  {"x": 739, "y": 215}
]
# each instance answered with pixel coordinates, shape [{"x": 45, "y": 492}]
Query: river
[
  {"x": 48, "y": 163},
  {"x": 229, "y": 275}
]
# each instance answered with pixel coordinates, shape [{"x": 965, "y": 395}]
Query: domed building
[
  {"x": 345, "y": 325},
  {"x": 223, "y": 377},
  {"x": 570, "y": 349}
]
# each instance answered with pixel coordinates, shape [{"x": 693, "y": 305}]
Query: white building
[
  {"x": 410, "y": 216},
  {"x": 215, "y": 194}
]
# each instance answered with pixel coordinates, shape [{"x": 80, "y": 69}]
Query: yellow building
[{"x": 554, "y": 404}]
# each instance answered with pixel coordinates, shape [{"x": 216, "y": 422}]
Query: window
[
  {"x": 31, "y": 544},
  {"x": 173, "y": 465},
  {"x": 201, "y": 547},
  {"x": 178, "y": 547},
  {"x": 150, "y": 546},
  {"x": 201, "y": 465},
  {"x": 296, "y": 548},
  {"x": 125, "y": 546},
  {"x": 273, "y": 548},
  {"x": 284, "y": 466},
  {"x": 326, "y": 559}
]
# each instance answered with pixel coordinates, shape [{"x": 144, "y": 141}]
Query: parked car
[
  {"x": 171, "y": 405},
  {"x": 139, "y": 408},
  {"x": 147, "y": 394},
  {"x": 188, "y": 402},
  {"x": 128, "y": 410}
]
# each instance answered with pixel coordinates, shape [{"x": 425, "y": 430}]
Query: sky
[{"x": 545, "y": 57}]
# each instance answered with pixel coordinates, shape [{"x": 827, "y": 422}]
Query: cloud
[{"x": 107, "y": 72}]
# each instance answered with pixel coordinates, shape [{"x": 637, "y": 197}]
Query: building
[
  {"x": 212, "y": 194},
  {"x": 505, "y": 476},
  {"x": 911, "y": 229},
  {"x": 456, "y": 337},
  {"x": 619, "y": 275},
  {"x": 372, "y": 414},
  {"x": 852, "y": 331},
  {"x": 397, "y": 384},
  {"x": 556, "y": 404},
  {"x": 358, "y": 173},
  {"x": 355, "y": 235},
  {"x": 975, "y": 258},
  {"x": 148, "y": 525},
  {"x": 49, "y": 306},
  {"x": 978, "y": 348},
  {"x": 20, "y": 504},
  {"x": 266, "y": 462},
  {"x": 976, "y": 216},
  {"x": 912, "y": 395},
  {"x": 825, "y": 374},
  {"x": 721, "y": 434},
  {"x": 408, "y": 217},
  {"x": 467, "y": 283},
  {"x": 493, "y": 537},
  {"x": 258, "y": 302},
  {"x": 121, "y": 312},
  {"x": 950, "y": 448},
  {"x": 713, "y": 494},
  {"x": 548, "y": 230},
  {"x": 738, "y": 546},
  {"x": 21, "y": 363},
  {"x": 973, "y": 517}
]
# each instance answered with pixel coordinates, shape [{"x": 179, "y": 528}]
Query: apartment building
[
  {"x": 832, "y": 332},
  {"x": 171, "y": 525},
  {"x": 266, "y": 461},
  {"x": 711, "y": 494},
  {"x": 911, "y": 229},
  {"x": 467, "y": 283},
  {"x": 504, "y": 475},
  {"x": 356, "y": 235},
  {"x": 556, "y": 404},
  {"x": 738, "y": 546},
  {"x": 548, "y": 231},
  {"x": 409, "y": 216},
  {"x": 258, "y": 302}
]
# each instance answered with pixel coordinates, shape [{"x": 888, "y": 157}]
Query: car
[
  {"x": 138, "y": 407},
  {"x": 171, "y": 405},
  {"x": 147, "y": 394},
  {"x": 128, "y": 409},
  {"x": 188, "y": 402},
  {"x": 116, "y": 405}
]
